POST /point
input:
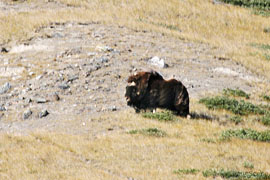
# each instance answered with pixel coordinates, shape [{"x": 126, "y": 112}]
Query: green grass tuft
[
  {"x": 261, "y": 46},
  {"x": 266, "y": 119},
  {"x": 149, "y": 132},
  {"x": 186, "y": 171},
  {"x": 248, "y": 165},
  {"x": 266, "y": 56},
  {"x": 267, "y": 98},
  {"x": 237, "y": 107},
  {"x": 235, "y": 93},
  {"x": 236, "y": 119},
  {"x": 161, "y": 116},
  {"x": 263, "y": 136},
  {"x": 231, "y": 174}
]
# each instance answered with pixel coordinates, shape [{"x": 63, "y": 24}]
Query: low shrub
[
  {"x": 256, "y": 4},
  {"x": 236, "y": 119},
  {"x": 266, "y": 120},
  {"x": 186, "y": 171},
  {"x": 149, "y": 132},
  {"x": 248, "y": 165},
  {"x": 235, "y": 93},
  {"x": 263, "y": 136},
  {"x": 267, "y": 98},
  {"x": 237, "y": 107},
  {"x": 261, "y": 46},
  {"x": 208, "y": 140},
  {"x": 161, "y": 116},
  {"x": 231, "y": 174}
]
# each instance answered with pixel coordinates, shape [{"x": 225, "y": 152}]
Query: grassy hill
[{"x": 226, "y": 137}]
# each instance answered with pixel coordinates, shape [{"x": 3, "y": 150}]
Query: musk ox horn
[{"x": 132, "y": 84}]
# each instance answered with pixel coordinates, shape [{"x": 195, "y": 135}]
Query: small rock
[
  {"x": 28, "y": 100},
  {"x": 102, "y": 60},
  {"x": 43, "y": 113},
  {"x": 55, "y": 97},
  {"x": 117, "y": 76},
  {"x": 91, "y": 54},
  {"x": 2, "y": 108},
  {"x": 40, "y": 100},
  {"x": 27, "y": 114},
  {"x": 72, "y": 78},
  {"x": 31, "y": 73},
  {"x": 5, "y": 88},
  {"x": 156, "y": 61},
  {"x": 88, "y": 73},
  {"x": 57, "y": 35},
  {"x": 4, "y": 50},
  {"x": 64, "y": 86},
  {"x": 6, "y": 61},
  {"x": 39, "y": 77},
  {"x": 104, "y": 48},
  {"x": 26, "y": 90},
  {"x": 113, "y": 108}
]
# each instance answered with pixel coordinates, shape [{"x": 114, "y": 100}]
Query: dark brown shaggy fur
[{"x": 151, "y": 91}]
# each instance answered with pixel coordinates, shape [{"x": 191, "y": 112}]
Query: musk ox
[{"x": 148, "y": 90}]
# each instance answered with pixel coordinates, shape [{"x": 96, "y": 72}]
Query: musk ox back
[{"x": 148, "y": 90}]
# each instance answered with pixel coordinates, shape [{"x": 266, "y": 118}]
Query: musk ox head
[
  {"x": 131, "y": 93},
  {"x": 137, "y": 86}
]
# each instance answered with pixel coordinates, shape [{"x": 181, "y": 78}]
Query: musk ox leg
[
  {"x": 153, "y": 110},
  {"x": 182, "y": 104},
  {"x": 183, "y": 112},
  {"x": 137, "y": 110}
]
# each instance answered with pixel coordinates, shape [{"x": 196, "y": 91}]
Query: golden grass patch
[{"x": 118, "y": 155}]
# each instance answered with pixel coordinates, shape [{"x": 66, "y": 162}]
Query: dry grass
[
  {"x": 223, "y": 26},
  {"x": 119, "y": 155}
]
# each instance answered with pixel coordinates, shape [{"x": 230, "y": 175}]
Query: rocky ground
[{"x": 79, "y": 71}]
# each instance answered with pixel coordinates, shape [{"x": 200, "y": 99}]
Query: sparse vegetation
[
  {"x": 186, "y": 171},
  {"x": 237, "y": 107},
  {"x": 264, "y": 47},
  {"x": 208, "y": 140},
  {"x": 257, "y": 4},
  {"x": 161, "y": 116},
  {"x": 267, "y": 57},
  {"x": 235, "y": 93},
  {"x": 266, "y": 119},
  {"x": 266, "y": 97},
  {"x": 261, "y": 46},
  {"x": 231, "y": 174},
  {"x": 236, "y": 119},
  {"x": 248, "y": 165},
  {"x": 263, "y": 136},
  {"x": 149, "y": 132}
]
